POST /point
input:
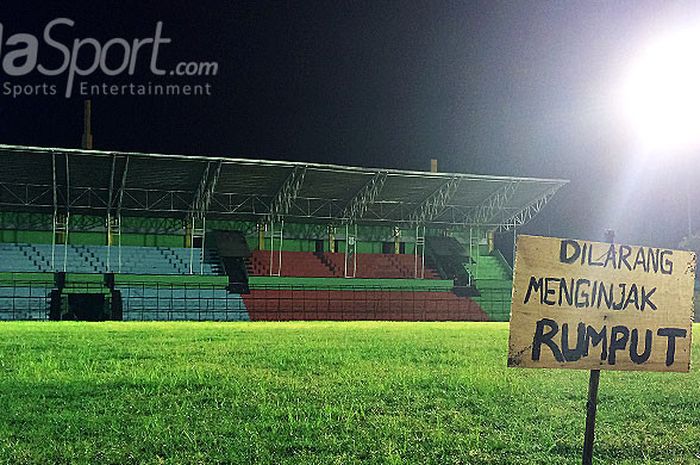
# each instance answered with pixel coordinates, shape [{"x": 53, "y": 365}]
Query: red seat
[{"x": 332, "y": 264}]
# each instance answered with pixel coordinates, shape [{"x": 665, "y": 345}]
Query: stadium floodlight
[{"x": 661, "y": 93}]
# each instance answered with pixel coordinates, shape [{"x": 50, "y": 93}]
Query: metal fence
[
  {"x": 360, "y": 303},
  {"x": 495, "y": 298},
  {"x": 169, "y": 302},
  {"x": 150, "y": 301},
  {"x": 24, "y": 301},
  {"x": 201, "y": 302}
]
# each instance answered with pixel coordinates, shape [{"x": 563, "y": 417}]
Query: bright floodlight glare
[{"x": 661, "y": 95}]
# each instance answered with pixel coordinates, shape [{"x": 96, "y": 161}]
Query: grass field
[{"x": 319, "y": 393}]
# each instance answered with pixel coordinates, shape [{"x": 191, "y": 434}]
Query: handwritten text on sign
[{"x": 593, "y": 305}]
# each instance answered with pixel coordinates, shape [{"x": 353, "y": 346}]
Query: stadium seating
[
  {"x": 300, "y": 264},
  {"x": 174, "y": 301},
  {"x": 259, "y": 263},
  {"x": 450, "y": 258},
  {"x": 398, "y": 266},
  {"x": 493, "y": 278},
  {"x": 490, "y": 267},
  {"x": 182, "y": 303},
  {"x": 169, "y": 260},
  {"x": 332, "y": 265},
  {"x": 93, "y": 259},
  {"x": 232, "y": 205},
  {"x": 17, "y": 258},
  {"x": 275, "y": 304}
]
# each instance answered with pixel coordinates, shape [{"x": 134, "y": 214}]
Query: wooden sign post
[{"x": 600, "y": 306}]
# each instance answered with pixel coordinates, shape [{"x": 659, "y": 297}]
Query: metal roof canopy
[{"x": 108, "y": 182}]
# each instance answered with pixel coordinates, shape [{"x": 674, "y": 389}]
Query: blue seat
[{"x": 100, "y": 259}]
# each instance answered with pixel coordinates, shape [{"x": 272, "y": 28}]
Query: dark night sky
[{"x": 509, "y": 88}]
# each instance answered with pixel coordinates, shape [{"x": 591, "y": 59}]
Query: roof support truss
[
  {"x": 357, "y": 206},
  {"x": 206, "y": 188},
  {"x": 435, "y": 203},
  {"x": 117, "y": 181},
  {"x": 61, "y": 193},
  {"x": 288, "y": 192},
  {"x": 523, "y": 216},
  {"x": 111, "y": 184},
  {"x": 122, "y": 186},
  {"x": 484, "y": 213},
  {"x": 112, "y": 199}
]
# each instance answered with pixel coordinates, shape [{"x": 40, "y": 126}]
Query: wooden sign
[{"x": 594, "y": 305}]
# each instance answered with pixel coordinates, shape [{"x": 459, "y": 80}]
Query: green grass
[{"x": 319, "y": 393}]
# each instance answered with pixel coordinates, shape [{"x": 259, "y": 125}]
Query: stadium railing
[{"x": 21, "y": 300}]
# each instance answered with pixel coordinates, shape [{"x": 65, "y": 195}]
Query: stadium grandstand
[{"x": 97, "y": 235}]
